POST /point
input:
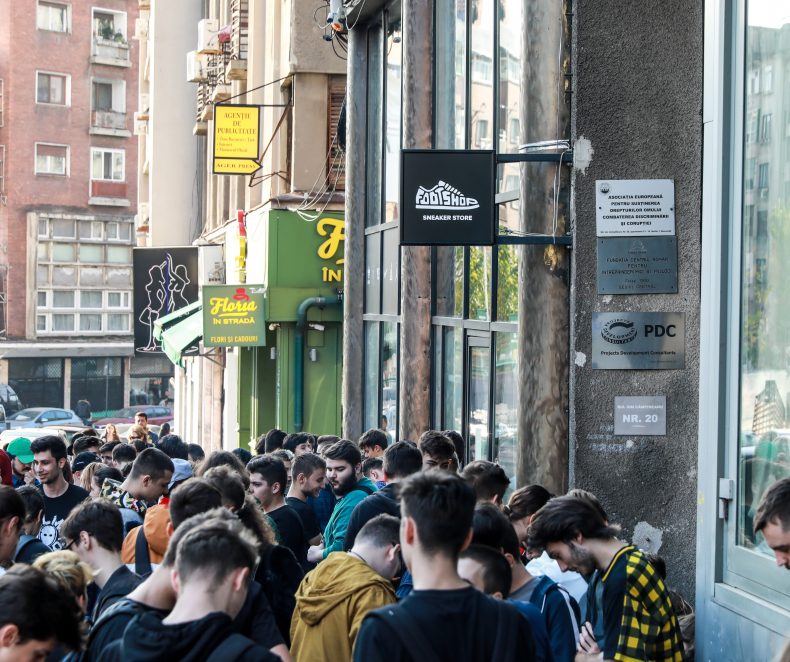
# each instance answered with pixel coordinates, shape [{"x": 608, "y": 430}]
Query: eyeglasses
[{"x": 135, "y": 438}]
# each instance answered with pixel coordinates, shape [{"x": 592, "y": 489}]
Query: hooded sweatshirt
[
  {"x": 335, "y": 533},
  {"x": 148, "y": 639},
  {"x": 331, "y": 602},
  {"x": 155, "y": 527}
]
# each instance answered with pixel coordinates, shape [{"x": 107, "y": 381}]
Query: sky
[{"x": 768, "y": 13}]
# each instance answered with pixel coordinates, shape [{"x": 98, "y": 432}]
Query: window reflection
[
  {"x": 481, "y": 110},
  {"x": 506, "y": 403},
  {"x": 371, "y": 395},
  {"x": 392, "y": 134},
  {"x": 453, "y": 371},
  {"x": 450, "y": 281},
  {"x": 507, "y": 286},
  {"x": 480, "y": 283},
  {"x": 451, "y": 74},
  {"x": 389, "y": 375},
  {"x": 765, "y": 317}
]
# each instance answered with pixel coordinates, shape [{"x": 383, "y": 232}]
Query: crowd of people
[{"x": 320, "y": 548}]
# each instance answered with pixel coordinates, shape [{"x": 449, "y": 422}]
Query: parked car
[
  {"x": 156, "y": 415},
  {"x": 9, "y": 400},
  {"x": 39, "y": 417}
]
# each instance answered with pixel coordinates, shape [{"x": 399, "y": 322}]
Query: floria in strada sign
[
  {"x": 234, "y": 315},
  {"x": 447, "y": 197}
]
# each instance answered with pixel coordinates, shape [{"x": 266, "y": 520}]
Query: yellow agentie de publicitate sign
[{"x": 236, "y": 139}]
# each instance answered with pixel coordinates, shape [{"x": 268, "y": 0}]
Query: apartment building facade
[{"x": 68, "y": 198}]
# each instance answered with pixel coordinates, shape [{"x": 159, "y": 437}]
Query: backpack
[
  {"x": 142, "y": 556},
  {"x": 232, "y": 648},
  {"x": 24, "y": 541},
  {"x": 280, "y": 574}
]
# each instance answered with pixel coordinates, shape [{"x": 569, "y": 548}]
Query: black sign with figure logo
[
  {"x": 447, "y": 197},
  {"x": 165, "y": 279}
]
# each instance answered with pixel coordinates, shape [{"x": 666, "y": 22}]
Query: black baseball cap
[{"x": 83, "y": 460}]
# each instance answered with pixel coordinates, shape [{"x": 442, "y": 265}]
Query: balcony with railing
[
  {"x": 109, "y": 123},
  {"x": 239, "y": 40},
  {"x": 113, "y": 51},
  {"x": 107, "y": 193}
]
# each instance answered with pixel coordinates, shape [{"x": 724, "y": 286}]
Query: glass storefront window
[
  {"x": 479, "y": 405},
  {"x": 373, "y": 273},
  {"x": 375, "y": 119},
  {"x": 453, "y": 378},
  {"x": 450, "y": 281},
  {"x": 480, "y": 283},
  {"x": 390, "y": 272},
  {"x": 764, "y": 435},
  {"x": 371, "y": 388},
  {"x": 481, "y": 103},
  {"x": 506, "y": 403},
  {"x": 451, "y": 74},
  {"x": 507, "y": 285},
  {"x": 392, "y": 132},
  {"x": 389, "y": 375}
]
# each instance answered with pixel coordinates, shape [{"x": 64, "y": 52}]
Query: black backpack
[{"x": 280, "y": 574}]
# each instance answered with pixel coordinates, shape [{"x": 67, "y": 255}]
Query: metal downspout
[{"x": 301, "y": 323}]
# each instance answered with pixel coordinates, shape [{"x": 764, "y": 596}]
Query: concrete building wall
[
  {"x": 172, "y": 147},
  {"x": 638, "y": 122}
]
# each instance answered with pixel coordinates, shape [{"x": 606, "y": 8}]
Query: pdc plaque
[
  {"x": 640, "y": 415},
  {"x": 638, "y": 341},
  {"x": 638, "y": 265}
]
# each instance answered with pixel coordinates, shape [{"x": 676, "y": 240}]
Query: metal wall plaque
[
  {"x": 447, "y": 197},
  {"x": 640, "y": 415},
  {"x": 637, "y": 265},
  {"x": 639, "y": 341},
  {"x": 630, "y": 207}
]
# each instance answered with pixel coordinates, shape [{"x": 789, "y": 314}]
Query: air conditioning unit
[
  {"x": 141, "y": 28},
  {"x": 145, "y": 106},
  {"x": 197, "y": 71},
  {"x": 208, "y": 41},
  {"x": 140, "y": 124}
]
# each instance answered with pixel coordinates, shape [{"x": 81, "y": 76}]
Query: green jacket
[{"x": 335, "y": 533}]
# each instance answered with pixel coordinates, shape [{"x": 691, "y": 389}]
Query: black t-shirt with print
[
  {"x": 55, "y": 511},
  {"x": 291, "y": 531}
]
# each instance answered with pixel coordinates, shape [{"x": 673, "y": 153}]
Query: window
[
  {"x": 118, "y": 299},
  {"x": 41, "y": 322},
  {"x": 42, "y": 227},
  {"x": 90, "y": 322},
  {"x": 52, "y": 159},
  {"x": 52, "y": 88},
  {"x": 63, "y": 322},
  {"x": 102, "y": 96},
  {"x": 481, "y": 139},
  {"x": 52, "y": 16},
  {"x": 41, "y": 299},
  {"x": 117, "y": 322},
  {"x": 762, "y": 176},
  {"x": 64, "y": 253},
  {"x": 91, "y": 229},
  {"x": 119, "y": 231},
  {"x": 768, "y": 79},
  {"x": 90, "y": 299},
  {"x": 515, "y": 131},
  {"x": 119, "y": 254},
  {"x": 91, "y": 253},
  {"x": 109, "y": 25},
  {"x": 107, "y": 165},
  {"x": 63, "y": 299},
  {"x": 482, "y": 69},
  {"x": 765, "y": 129},
  {"x": 63, "y": 228}
]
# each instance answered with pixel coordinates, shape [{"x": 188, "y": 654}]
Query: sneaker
[{"x": 443, "y": 196}]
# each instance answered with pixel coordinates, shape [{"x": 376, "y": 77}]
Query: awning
[{"x": 180, "y": 332}]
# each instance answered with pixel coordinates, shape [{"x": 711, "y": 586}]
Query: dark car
[
  {"x": 156, "y": 415},
  {"x": 9, "y": 400}
]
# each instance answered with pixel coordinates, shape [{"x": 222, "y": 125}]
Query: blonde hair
[
  {"x": 86, "y": 477},
  {"x": 65, "y": 566},
  {"x": 138, "y": 429}
]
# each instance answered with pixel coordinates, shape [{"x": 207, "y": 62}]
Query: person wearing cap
[
  {"x": 156, "y": 528},
  {"x": 21, "y": 462},
  {"x": 81, "y": 461}
]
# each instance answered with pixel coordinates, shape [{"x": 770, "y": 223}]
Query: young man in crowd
[
  {"x": 148, "y": 480},
  {"x": 308, "y": 475},
  {"x": 268, "y": 478},
  {"x": 21, "y": 462},
  {"x": 489, "y": 481},
  {"x": 271, "y": 441},
  {"x": 559, "y": 610},
  {"x": 488, "y": 571},
  {"x": 122, "y": 457},
  {"x": 213, "y": 565},
  {"x": 173, "y": 446},
  {"x": 639, "y": 622},
  {"x": 85, "y": 443},
  {"x": 195, "y": 453},
  {"x": 105, "y": 452},
  {"x": 332, "y": 600},
  {"x": 343, "y": 461},
  {"x": 324, "y": 504},
  {"x": 437, "y": 451},
  {"x": 80, "y": 461},
  {"x": 141, "y": 419},
  {"x": 29, "y": 547},
  {"x": 373, "y": 443},
  {"x": 299, "y": 443},
  {"x": 94, "y": 531},
  {"x": 36, "y": 615},
  {"x": 773, "y": 520},
  {"x": 436, "y": 525},
  {"x": 12, "y": 516},
  {"x": 60, "y": 496},
  {"x": 373, "y": 468},
  {"x": 401, "y": 460},
  {"x": 286, "y": 457}
]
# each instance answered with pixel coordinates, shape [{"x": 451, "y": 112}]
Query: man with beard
[
  {"x": 343, "y": 462},
  {"x": 60, "y": 496},
  {"x": 639, "y": 622}
]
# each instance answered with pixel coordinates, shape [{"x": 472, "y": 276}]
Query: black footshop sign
[{"x": 447, "y": 197}]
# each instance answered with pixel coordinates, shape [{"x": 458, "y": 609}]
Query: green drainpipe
[{"x": 301, "y": 323}]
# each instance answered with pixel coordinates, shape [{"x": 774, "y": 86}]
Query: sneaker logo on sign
[{"x": 443, "y": 196}]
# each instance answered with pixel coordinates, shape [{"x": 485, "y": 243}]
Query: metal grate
[
  {"x": 239, "y": 38},
  {"x": 336, "y": 160}
]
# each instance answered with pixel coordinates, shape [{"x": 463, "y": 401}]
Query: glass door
[{"x": 478, "y": 398}]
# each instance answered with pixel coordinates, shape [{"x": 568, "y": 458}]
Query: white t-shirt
[{"x": 572, "y": 582}]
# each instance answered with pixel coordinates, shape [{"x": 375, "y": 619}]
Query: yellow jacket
[{"x": 331, "y": 602}]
